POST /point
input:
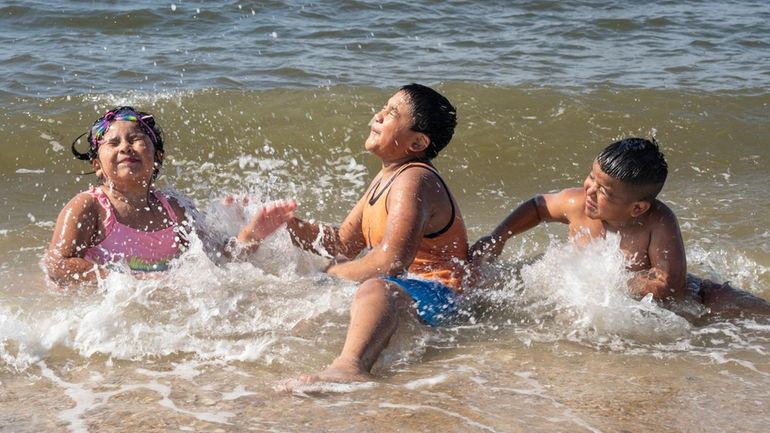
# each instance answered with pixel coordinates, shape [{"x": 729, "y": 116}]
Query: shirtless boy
[
  {"x": 619, "y": 196},
  {"x": 408, "y": 227}
]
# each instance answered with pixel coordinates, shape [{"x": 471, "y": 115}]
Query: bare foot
[
  {"x": 337, "y": 373},
  {"x": 334, "y": 375}
]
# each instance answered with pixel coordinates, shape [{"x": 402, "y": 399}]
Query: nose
[
  {"x": 126, "y": 145},
  {"x": 589, "y": 186},
  {"x": 378, "y": 116}
]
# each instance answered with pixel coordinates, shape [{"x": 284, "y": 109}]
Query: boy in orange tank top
[{"x": 405, "y": 239}]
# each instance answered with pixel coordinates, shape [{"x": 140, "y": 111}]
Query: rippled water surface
[{"x": 57, "y": 48}]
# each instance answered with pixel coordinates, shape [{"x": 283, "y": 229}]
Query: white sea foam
[
  {"x": 20, "y": 345},
  {"x": 88, "y": 396},
  {"x": 426, "y": 382},
  {"x": 584, "y": 288},
  {"x": 417, "y": 408},
  {"x": 238, "y": 392},
  {"x": 234, "y": 311},
  {"x": 727, "y": 264},
  {"x": 300, "y": 389}
]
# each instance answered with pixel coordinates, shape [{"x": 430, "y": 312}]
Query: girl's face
[
  {"x": 126, "y": 155},
  {"x": 391, "y": 134}
]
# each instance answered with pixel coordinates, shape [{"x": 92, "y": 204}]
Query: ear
[
  {"x": 97, "y": 167},
  {"x": 420, "y": 143},
  {"x": 157, "y": 164},
  {"x": 640, "y": 207}
]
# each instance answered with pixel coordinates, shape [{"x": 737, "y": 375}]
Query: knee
[{"x": 373, "y": 287}]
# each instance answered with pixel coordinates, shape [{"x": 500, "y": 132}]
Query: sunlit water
[
  {"x": 553, "y": 343},
  {"x": 274, "y": 104}
]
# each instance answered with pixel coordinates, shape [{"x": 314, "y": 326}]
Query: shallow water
[{"x": 555, "y": 346}]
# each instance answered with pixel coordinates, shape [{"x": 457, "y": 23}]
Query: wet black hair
[
  {"x": 145, "y": 121},
  {"x": 636, "y": 162},
  {"x": 433, "y": 115}
]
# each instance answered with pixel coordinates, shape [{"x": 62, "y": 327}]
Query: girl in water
[{"x": 125, "y": 221}]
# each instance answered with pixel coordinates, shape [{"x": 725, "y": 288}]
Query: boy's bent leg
[
  {"x": 728, "y": 302},
  {"x": 373, "y": 320}
]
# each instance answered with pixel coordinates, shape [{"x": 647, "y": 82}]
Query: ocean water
[{"x": 272, "y": 100}]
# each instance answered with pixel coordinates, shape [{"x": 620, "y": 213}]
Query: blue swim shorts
[{"x": 436, "y": 303}]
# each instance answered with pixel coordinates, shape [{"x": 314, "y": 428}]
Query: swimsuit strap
[
  {"x": 109, "y": 216},
  {"x": 110, "y": 219},
  {"x": 166, "y": 205},
  {"x": 451, "y": 202},
  {"x": 373, "y": 199}
]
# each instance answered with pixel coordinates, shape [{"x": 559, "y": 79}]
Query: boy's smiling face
[
  {"x": 391, "y": 134},
  {"x": 609, "y": 199}
]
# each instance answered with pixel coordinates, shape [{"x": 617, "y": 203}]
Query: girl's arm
[{"x": 77, "y": 228}]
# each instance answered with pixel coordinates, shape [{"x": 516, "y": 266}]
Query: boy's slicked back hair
[
  {"x": 636, "y": 162},
  {"x": 433, "y": 115}
]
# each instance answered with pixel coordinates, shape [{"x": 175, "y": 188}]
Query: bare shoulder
[
  {"x": 82, "y": 205},
  {"x": 565, "y": 205},
  {"x": 573, "y": 198},
  {"x": 418, "y": 179},
  {"x": 662, "y": 217},
  {"x": 79, "y": 223}
]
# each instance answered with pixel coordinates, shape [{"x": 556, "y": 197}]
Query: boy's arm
[
  {"x": 266, "y": 221},
  {"x": 541, "y": 208},
  {"x": 666, "y": 279},
  {"x": 411, "y": 201},
  {"x": 75, "y": 231},
  {"x": 346, "y": 240}
]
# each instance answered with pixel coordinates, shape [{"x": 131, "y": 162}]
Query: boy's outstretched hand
[
  {"x": 485, "y": 250},
  {"x": 267, "y": 220}
]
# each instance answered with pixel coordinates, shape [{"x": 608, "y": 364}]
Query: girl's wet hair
[
  {"x": 146, "y": 122},
  {"x": 636, "y": 162},
  {"x": 433, "y": 115}
]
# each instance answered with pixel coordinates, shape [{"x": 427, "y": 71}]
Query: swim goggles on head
[{"x": 101, "y": 126}]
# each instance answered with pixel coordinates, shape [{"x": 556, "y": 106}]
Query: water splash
[{"x": 584, "y": 290}]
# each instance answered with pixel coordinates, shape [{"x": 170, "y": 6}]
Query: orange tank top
[{"x": 442, "y": 255}]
